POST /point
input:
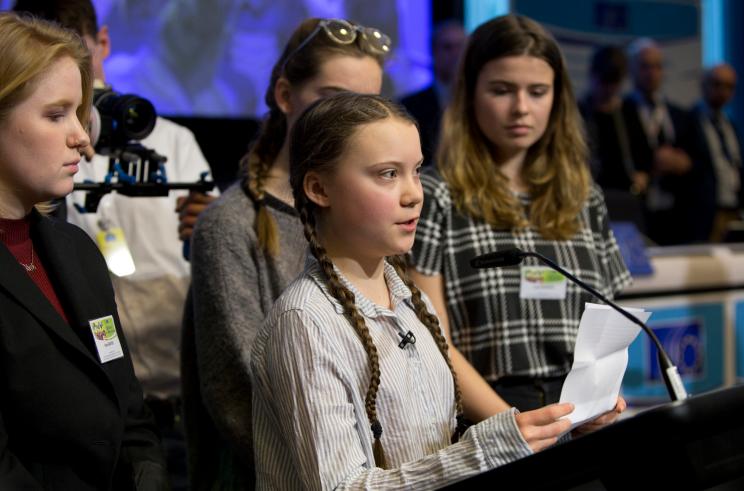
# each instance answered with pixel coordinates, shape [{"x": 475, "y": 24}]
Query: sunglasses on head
[{"x": 340, "y": 31}]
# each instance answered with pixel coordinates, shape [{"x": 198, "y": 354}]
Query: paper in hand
[{"x": 600, "y": 360}]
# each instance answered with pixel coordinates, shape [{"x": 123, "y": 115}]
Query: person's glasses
[{"x": 340, "y": 31}]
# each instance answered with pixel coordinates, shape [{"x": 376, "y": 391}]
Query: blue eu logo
[{"x": 684, "y": 344}]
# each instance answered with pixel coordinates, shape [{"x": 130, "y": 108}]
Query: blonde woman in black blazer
[{"x": 71, "y": 411}]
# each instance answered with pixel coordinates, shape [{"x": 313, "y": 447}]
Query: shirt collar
[
  {"x": 708, "y": 111},
  {"x": 657, "y": 97},
  {"x": 399, "y": 292}
]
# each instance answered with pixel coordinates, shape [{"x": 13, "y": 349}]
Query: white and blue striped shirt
[{"x": 310, "y": 378}]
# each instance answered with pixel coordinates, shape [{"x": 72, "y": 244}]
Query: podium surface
[{"x": 695, "y": 444}]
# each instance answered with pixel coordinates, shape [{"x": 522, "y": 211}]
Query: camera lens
[
  {"x": 119, "y": 119},
  {"x": 135, "y": 115}
]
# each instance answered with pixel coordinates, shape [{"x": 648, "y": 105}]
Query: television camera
[{"x": 118, "y": 123}]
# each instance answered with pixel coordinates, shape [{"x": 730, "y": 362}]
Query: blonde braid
[
  {"x": 347, "y": 299},
  {"x": 257, "y": 165},
  {"x": 432, "y": 323}
]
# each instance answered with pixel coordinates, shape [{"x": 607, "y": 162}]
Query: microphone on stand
[{"x": 512, "y": 257}]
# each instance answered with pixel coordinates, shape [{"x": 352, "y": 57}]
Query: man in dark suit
[
  {"x": 427, "y": 105},
  {"x": 719, "y": 151},
  {"x": 659, "y": 133},
  {"x": 610, "y": 158}
]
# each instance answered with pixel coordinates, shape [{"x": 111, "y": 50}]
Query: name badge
[
  {"x": 540, "y": 282},
  {"x": 113, "y": 246},
  {"x": 106, "y": 338}
]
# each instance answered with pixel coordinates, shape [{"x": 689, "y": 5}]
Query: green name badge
[
  {"x": 539, "y": 282},
  {"x": 106, "y": 338}
]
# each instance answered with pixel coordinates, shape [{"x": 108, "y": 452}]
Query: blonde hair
[
  {"x": 317, "y": 142},
  {"x": 555, "y": 167},
  {"x": 28, "y": 48},
  {"x": 297, "y": 67}
]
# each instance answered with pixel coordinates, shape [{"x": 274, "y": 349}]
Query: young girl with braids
[
  {"x": 248, "y": 246},
  {"x": 352, "y": 381},
  {"x": 512, "y": 172}
]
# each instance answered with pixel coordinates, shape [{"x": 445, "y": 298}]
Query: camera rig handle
[{"x": 135, "y": 170}]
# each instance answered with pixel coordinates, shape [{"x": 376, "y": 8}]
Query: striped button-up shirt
[{"x": 310, "y": 376}]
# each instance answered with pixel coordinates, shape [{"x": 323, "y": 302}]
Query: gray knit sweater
[{"x": 234, "y": 285}]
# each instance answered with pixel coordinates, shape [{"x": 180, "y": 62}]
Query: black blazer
[
  {"x": 424, "y": 107},
  {"x": 67, "y": 421},
  {"x": 673, "y": 226},
  {"x": 642, "y": 153}
]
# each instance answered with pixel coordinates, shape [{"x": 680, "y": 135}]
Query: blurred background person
[
  {"x": 660, "y": 140},
  {"x": 448, "y": 41},
  {"x": 610, "y": 155},
  {"x": 719, "y": 201}
]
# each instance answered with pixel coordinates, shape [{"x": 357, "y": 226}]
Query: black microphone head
[{"x": 498, "y": 259}]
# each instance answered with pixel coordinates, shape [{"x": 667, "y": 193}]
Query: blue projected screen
[{"x": 214, "y": 57}]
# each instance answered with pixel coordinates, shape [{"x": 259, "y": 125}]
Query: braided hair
[
  {"x": 297, "y": 68},
  {"x": 318, "y": 139}
]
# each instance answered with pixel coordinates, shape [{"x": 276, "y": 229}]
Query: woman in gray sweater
[{"x": 249, "y": 245}]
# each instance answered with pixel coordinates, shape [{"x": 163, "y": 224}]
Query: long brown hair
[
  {"x": 317, "y": 142},
  {"x": 555, "y": 166},
  {"x": 297, "y": 67}
]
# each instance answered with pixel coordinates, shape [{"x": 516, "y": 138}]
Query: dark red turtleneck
[{"x": 16, "y": 235}]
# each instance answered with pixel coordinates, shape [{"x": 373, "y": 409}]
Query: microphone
[
  {"x": 407, "y": 338},
  {"x": 512, "y": 257},
  {"x": 498, "y": 259}
]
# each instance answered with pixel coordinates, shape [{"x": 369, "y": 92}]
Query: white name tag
[
  {"x": 106, "y": 338},
  {"x": 540, "y": 282}
]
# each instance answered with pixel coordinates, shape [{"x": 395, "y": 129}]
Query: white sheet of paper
[{"x": 600, "y": 360}]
